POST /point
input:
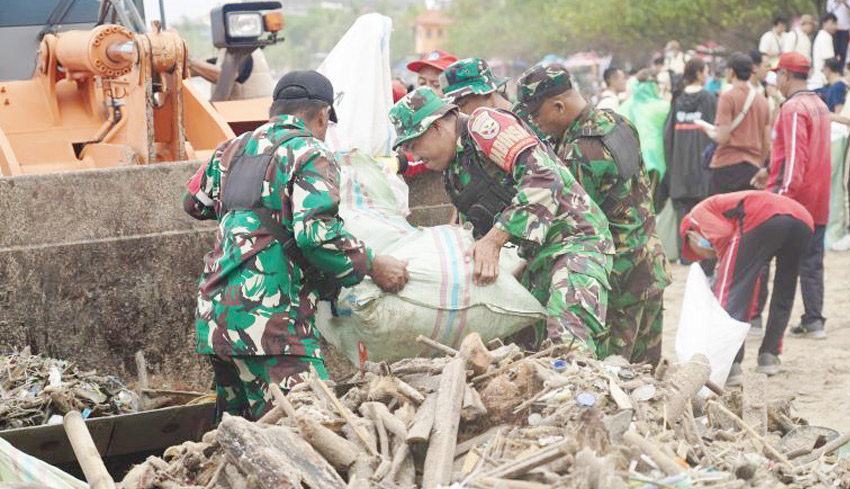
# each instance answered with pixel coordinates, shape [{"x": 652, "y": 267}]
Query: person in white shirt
[
  {"x": 615, "y": 85},
  {"x": 841, "y": 10},
  {"x": 674, "y": 58},
  {"x": 771, "y": 41},
  {"x": 799, "y": 39},
  {"x": 822, "y": 50}
]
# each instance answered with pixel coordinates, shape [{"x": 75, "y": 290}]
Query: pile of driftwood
[
  {"x": 34, "y": 388},
  {"x": 497, "y": 418}
]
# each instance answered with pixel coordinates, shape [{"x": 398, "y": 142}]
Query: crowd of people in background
[
  {"x": 717, "y": 135},
  {"x": 760, "y": 120}
]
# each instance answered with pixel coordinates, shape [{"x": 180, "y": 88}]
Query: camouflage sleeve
[
  {"x": 542, "y": 189},
  {"x": 533, "y": 208},
  {"x": 203, "y": 189},
  {"x": 317, "y": 225},
  {"x": 548, "y": 196}
]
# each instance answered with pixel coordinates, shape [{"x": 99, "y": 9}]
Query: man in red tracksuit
[
  {"x": 800, "y": 168},
  {"x": 745, "y": 230}
]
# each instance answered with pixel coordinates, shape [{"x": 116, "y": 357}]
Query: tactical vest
[
  {"x": 242, "y": 189},
  {"x": 621, "y": 142},
  {"x": 485, "y": 196}
]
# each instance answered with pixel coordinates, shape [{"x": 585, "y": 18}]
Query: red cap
[
  {"x": 793, "y": 62},
  {"x": 438, "y": 59},
  {"x": 399, "y": 90}
]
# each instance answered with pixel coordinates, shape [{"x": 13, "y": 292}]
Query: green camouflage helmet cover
[
  {"x": 415, "y": 112},
  {"x": 470, "y": 76},
  {"x": 539, "y": 83}
]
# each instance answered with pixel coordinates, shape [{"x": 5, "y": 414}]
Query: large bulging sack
[{"x": 440, "y": 300}]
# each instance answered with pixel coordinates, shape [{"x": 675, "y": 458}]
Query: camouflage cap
[
  {"x": 415, "y": 113},
  {"x": 539, "y": 83},
  {"x": 470, "y": 76}
]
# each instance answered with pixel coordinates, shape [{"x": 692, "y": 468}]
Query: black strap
[
  {"x": 623, "y": 144},
  {"x": 242, "y": 190},
  {"x": 242, "y": 187},
  {"x": 484, "y": 197}
]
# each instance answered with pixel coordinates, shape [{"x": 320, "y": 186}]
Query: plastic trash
[{"x": 705, "y": 327}]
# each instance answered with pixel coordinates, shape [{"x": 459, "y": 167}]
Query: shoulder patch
[{"x": 500, "y": 136}]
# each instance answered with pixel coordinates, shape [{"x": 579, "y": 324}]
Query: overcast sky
[{"x": 175, "y": 10}]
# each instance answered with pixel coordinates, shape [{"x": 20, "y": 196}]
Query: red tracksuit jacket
[
  {"x": 800, "y": 163},
  {"x": 720, "y": 221},
  {"x": 723, "y": 218}
]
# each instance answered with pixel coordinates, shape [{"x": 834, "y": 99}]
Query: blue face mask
[{"x": 704, "y": 243}]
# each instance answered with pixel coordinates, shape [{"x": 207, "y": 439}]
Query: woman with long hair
[{"x": 685, "y": 139}]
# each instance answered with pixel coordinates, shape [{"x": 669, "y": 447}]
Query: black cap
[{"x": 306, "y": 84}]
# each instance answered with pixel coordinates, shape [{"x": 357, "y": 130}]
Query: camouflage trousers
[
  {"x": 635, "y": 331},
  {"x": 242, "y": 383},
  {"x": 576, "y": 303}
]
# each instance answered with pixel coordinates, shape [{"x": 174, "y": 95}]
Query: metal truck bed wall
[{"x": 115, "y": 436}]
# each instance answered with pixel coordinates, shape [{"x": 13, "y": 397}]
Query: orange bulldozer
[
  {"x": 110, "y": 93},
  {"x": 101, "y": 126}
]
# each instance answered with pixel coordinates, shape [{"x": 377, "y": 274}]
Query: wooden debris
[
  {"x": 478, "y": 357},
  {"x": 581, "y": 423},
  {"x": 667, "y": 464},
  {"x": 423, "y": 422},
  {"x": 436, "y": 345},
  {"x": 524, "y": 465},
  {"x": 275, "y": 456},
  {"x": 441, "y": 449},
  {"x": 826, "y": 449},
  {"x": 770, "y": 448},
  {"x": 86, "y": 452},
  {"x": 755, "y": 405},
  {"x": 687, "y": 381},
  {"x": 319, "y": 386}
]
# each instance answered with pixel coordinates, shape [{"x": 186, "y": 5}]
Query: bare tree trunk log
[{"x": 275, "y": 455}]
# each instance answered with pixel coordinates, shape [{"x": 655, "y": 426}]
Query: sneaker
[
  {"x": 768, "y": 364},
  {"x": 842, "y": 244},
  {"x": 736, "y": 376},
  {"x": 755, "y": 327},
  {"x": 814, "y": 330}
]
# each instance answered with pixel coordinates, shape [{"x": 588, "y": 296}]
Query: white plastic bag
[
  {"x": 359, "y": 68},
  {"x": 16, "y": 467},
  {"x": 705, "y": 327}
]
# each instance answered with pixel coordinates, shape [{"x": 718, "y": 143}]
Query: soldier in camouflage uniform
[
  {"x": 602, "y": 150},
  {"x": 469, "y": 83},
  {"x": 501, "y": 177},
  {"x": 255, "y": 302}
]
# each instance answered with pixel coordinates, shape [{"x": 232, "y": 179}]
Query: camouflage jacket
[
  {"x": 550, "y": 215},
  {"x": 252, "y": 299},
  {"x": 640, "y": 267}
]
